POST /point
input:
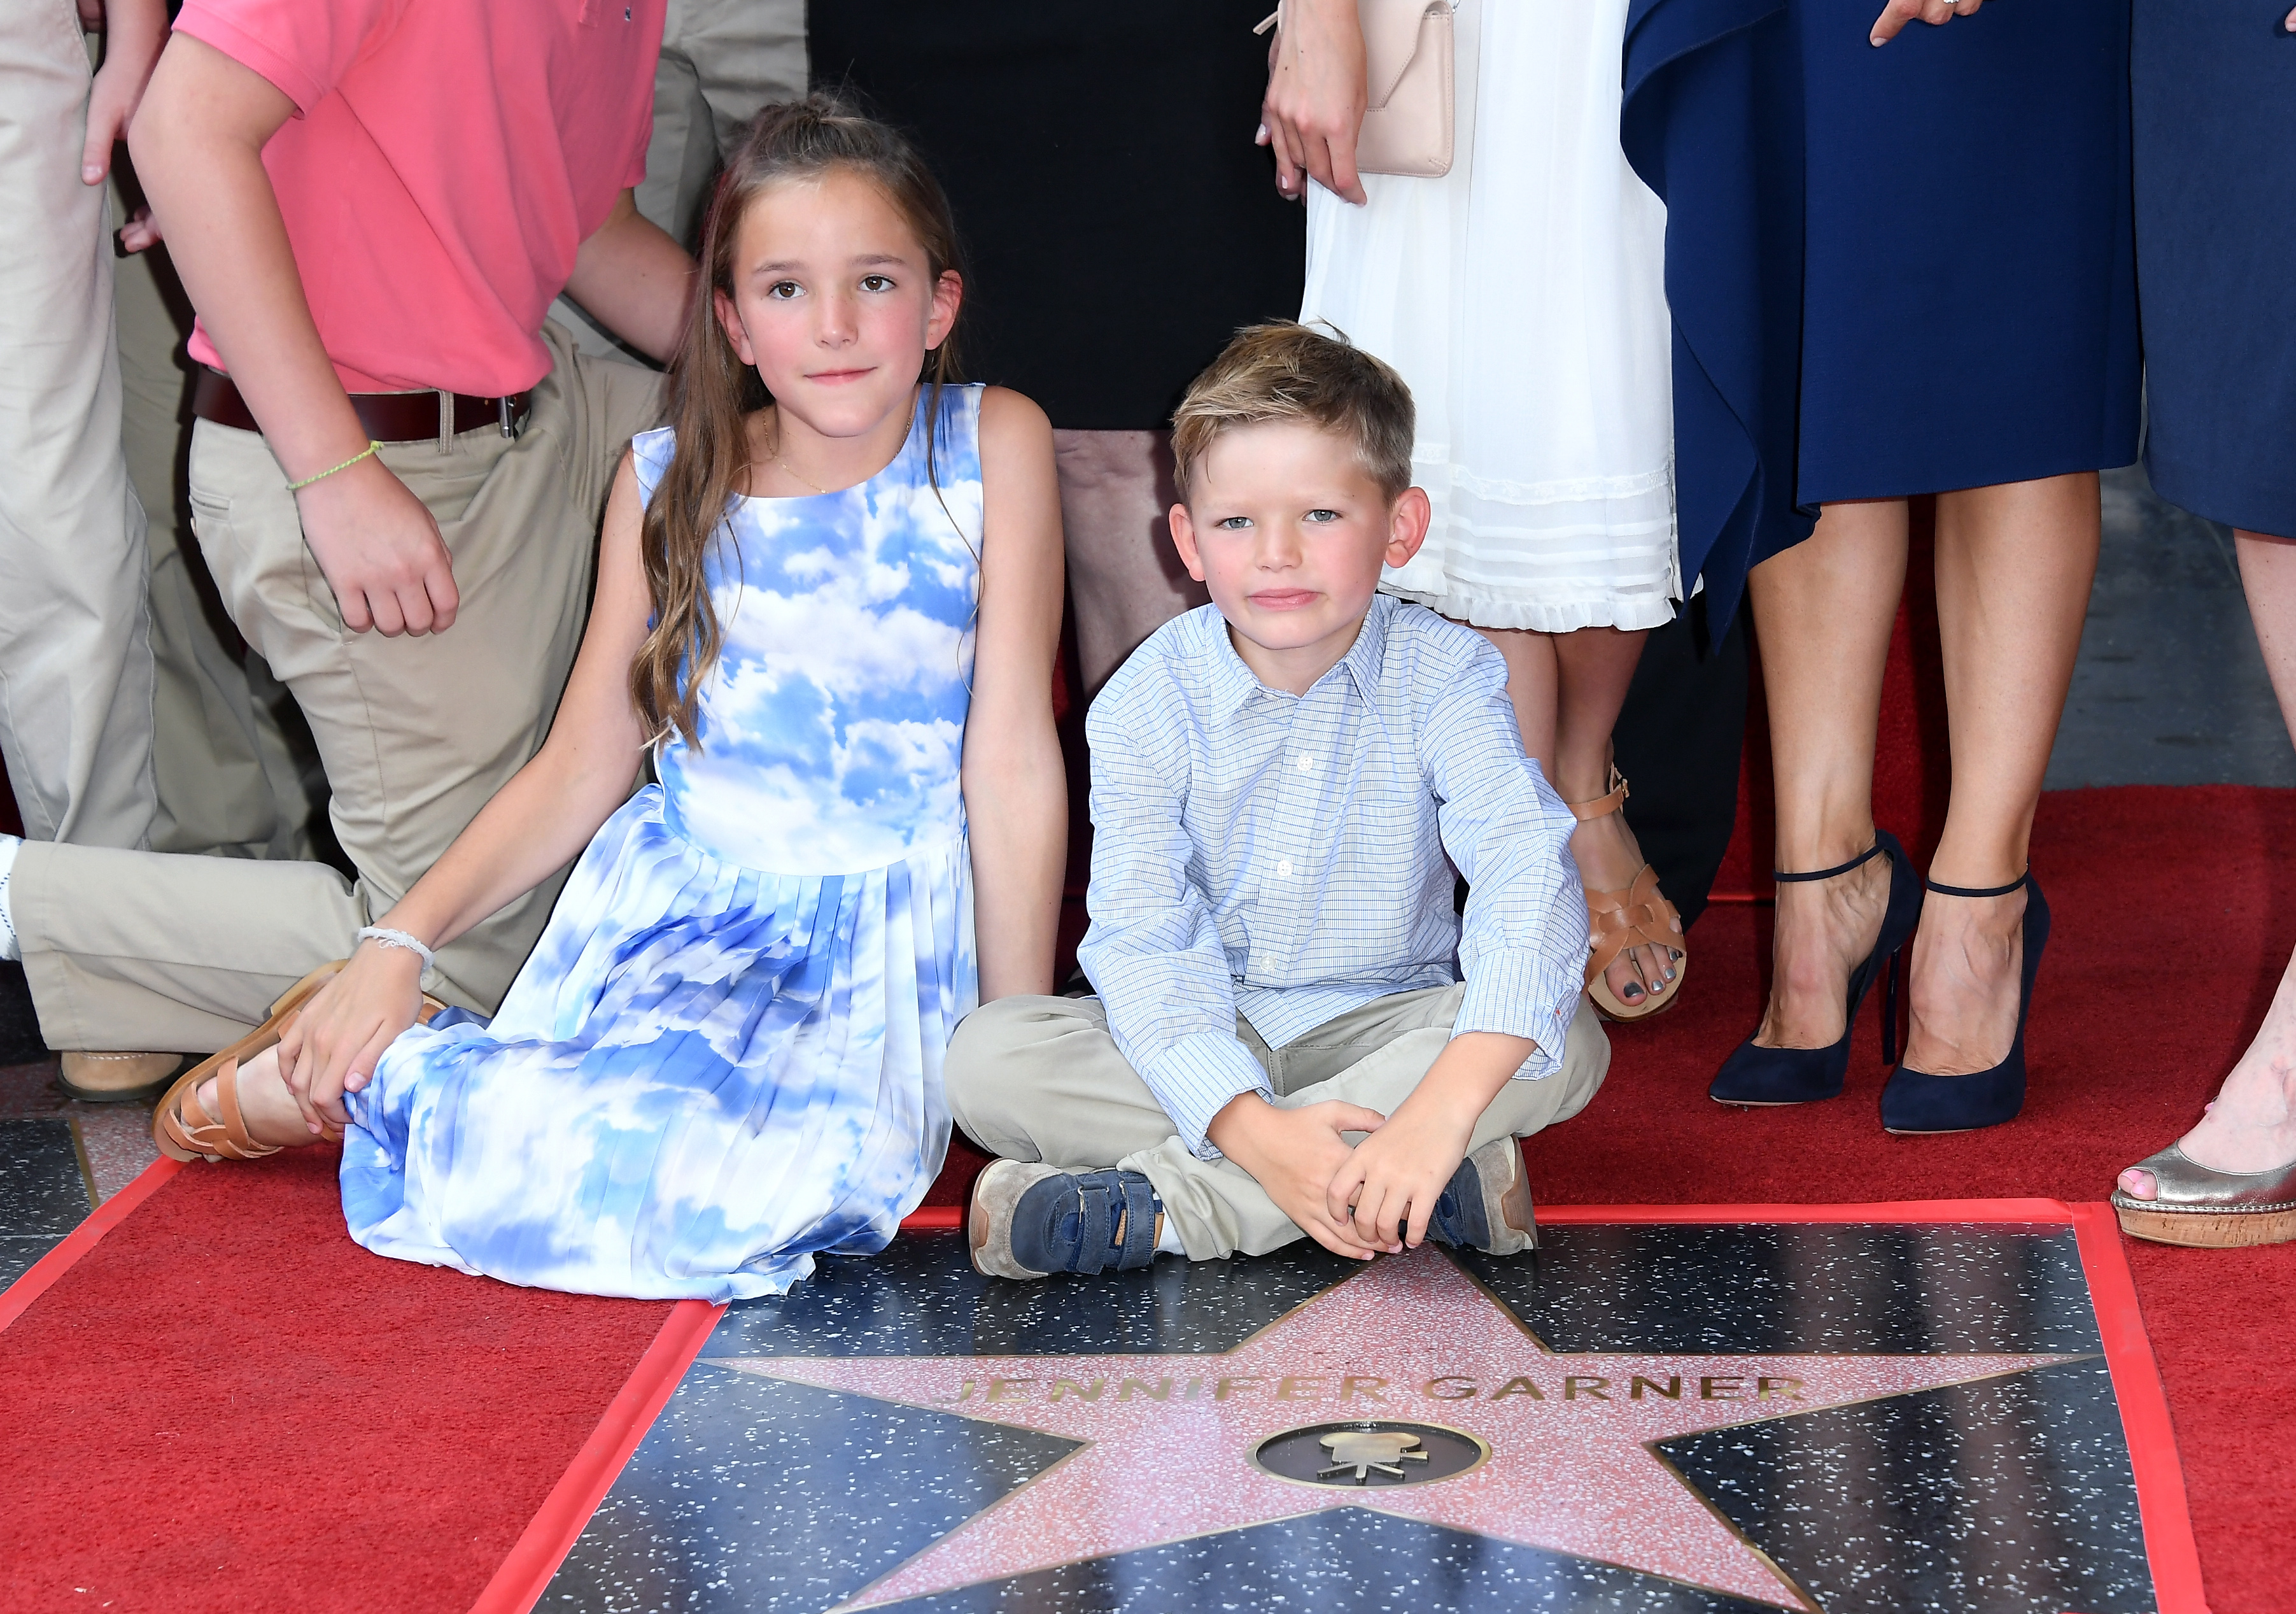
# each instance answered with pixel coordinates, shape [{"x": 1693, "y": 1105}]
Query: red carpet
[{"x": 227, "y": 1405}]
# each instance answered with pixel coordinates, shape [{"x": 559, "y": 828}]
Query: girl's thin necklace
[{"x": 792, "y": 470}]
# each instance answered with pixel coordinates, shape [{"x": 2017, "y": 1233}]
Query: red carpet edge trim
[
  {"x": 2161, "y": 1503},
  {"x": 36, "y": 1280},
  {"x": 550, "y": 1534}
]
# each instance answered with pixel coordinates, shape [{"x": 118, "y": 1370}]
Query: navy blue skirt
[
  {"x": 1892, "y": 271},
  {"x": 2216, "y": 246}
]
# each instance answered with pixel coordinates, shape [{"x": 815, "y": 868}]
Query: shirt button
[
  {"x": 1283, "y": 867},
  {"x": 1307, "y": 764}
]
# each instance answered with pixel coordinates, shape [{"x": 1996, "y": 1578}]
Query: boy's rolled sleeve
[
  {"x": 1521, "y": 994},
  {"x": 1197, "y": 1075},
  {"x": 1522, "y": 941},
  {"x": 1154, "y": 953}
]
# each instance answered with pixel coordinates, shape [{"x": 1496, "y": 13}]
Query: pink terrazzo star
[{"x": 1169, "y": 1439}]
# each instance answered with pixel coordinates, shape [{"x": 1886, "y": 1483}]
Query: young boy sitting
[{"x": 1282, "y": 1043}]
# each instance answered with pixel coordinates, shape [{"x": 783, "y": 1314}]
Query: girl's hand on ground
[
  {"x": 1292, "y": 1154},
  {"x": 1317, "y": 96},
  {"x": 1387, "y": 1187},
  {"x": 332, "y": 1047},
  {"x": 1897, "y": 13},
  {"x": 379, "y": 549}
]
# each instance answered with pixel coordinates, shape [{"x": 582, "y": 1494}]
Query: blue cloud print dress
[{"x": 725, "y": 1053}]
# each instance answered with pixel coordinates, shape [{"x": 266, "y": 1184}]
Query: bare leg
[
  {"x": 1125, "y": 578},
  {"x": 264, "y": 1104},
  {"x": 1823, "y": 611},
  {"x": 2252, "y": 1126},
  {"x": 1567, "y": 690},
  {"x": 2014, "y": 563}
]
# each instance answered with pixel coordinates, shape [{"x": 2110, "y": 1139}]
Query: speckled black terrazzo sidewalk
[{"x": 2012, "y": 1495}]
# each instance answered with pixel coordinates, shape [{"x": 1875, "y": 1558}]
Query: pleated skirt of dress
[
  {"x": 704, "y": 1076},
  {"x": 1522, "y": 297}
]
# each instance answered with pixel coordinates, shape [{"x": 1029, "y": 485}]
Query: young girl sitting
[{"x": 725, "y": 1051}]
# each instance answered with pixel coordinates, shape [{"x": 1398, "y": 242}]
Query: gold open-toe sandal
[
  {"x": 1635, "y": 916},
  {"x": 2203, "y": 1208}
]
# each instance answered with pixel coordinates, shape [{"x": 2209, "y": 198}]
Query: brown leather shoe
[{"x": 115, "y": 1078}]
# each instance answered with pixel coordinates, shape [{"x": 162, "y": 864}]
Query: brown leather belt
[{"x": 388, "y": 416}]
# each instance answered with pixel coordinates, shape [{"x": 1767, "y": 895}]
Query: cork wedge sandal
[{"x": 1635, "y": 914}]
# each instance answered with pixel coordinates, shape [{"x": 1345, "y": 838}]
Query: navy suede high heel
[
  {"x": 1914, "y": 1101},
  {"x": 1754, "y": 1074}
]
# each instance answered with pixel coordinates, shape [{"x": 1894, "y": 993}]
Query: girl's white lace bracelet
[{"x": 397, "y": 938}]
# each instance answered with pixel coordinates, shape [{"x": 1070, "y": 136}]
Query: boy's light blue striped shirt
[{"x": 1283, "y": 857}]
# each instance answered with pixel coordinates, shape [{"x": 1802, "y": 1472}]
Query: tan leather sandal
[
  {"x": 181, "y": 1124},
  {"x": 1635, "y": 914},
  {"x": 184, "y": 1130}
]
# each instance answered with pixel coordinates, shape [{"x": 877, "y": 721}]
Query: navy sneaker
[
  {"x": 1030, "y": 1219},
  {"x": 1487, "y": 1205}
]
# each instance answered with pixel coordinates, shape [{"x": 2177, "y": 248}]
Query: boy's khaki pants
[
  {"x": 142, "y": 950},
  {"x": 227, "y": 779},
  {"x": 1040, "y": 1079},
  {"x": 75, "y": 658}
]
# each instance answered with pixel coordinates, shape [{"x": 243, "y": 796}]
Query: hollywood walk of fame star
[{"x": 1169, "y": 1439}]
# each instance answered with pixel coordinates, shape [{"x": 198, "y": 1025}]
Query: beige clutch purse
[{"x": 1409, "y": 61}]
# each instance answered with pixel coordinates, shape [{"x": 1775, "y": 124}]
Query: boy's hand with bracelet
[
  {"x": 332, "y": 1047},
  {"x": 379, "y": 549},
  {"x": 1294, "y": 1154},
  {"x": 199, "y": 138}
]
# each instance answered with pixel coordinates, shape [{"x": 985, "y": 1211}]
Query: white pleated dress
[{"x": 1522, "y": 296}]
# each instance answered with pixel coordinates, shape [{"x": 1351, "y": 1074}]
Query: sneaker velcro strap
[
  {"x": 1139, "y": 1223},
  {"x": 1096, "y": 1221}
]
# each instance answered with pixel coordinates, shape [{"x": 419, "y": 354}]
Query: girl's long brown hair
[{"x": 712, "y": 392}]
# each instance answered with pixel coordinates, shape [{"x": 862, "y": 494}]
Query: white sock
[
  {"x": 11, "y": 949},
  {"x": 1168, "y": 1238}
]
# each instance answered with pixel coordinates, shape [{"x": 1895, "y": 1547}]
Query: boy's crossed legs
[{"x": 1040, "y": 1079}]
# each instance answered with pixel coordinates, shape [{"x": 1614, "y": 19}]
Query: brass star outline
[{"x": 1574, "y": 1468}]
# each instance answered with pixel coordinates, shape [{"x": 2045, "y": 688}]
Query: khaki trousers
[
  {"x": 75, "y": 662},
  {"x": 225, "y": 779},
  {"x": 721, "y": 59},
  {"x": 149, "y": 952},
  {"x": 1040, "y": 1079}
]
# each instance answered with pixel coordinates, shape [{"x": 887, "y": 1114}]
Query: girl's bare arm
[
  {"x": 1016, "y": 794},
  {"x": 535, "y": 825}
]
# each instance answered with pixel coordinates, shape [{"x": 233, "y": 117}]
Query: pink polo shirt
[{"x": 446, "y": 160}]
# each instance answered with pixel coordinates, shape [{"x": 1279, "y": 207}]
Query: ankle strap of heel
[
  {"x": 1859, "y": 861},
  {"x": 1601, "y": 806},
  {"x": 2018, "y": 884}
]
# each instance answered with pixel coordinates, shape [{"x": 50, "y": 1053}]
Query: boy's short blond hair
[{"x": 1284, "y": 371}]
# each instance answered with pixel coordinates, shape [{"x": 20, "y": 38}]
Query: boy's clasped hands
[{"x": 1377, "y": 1194}]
